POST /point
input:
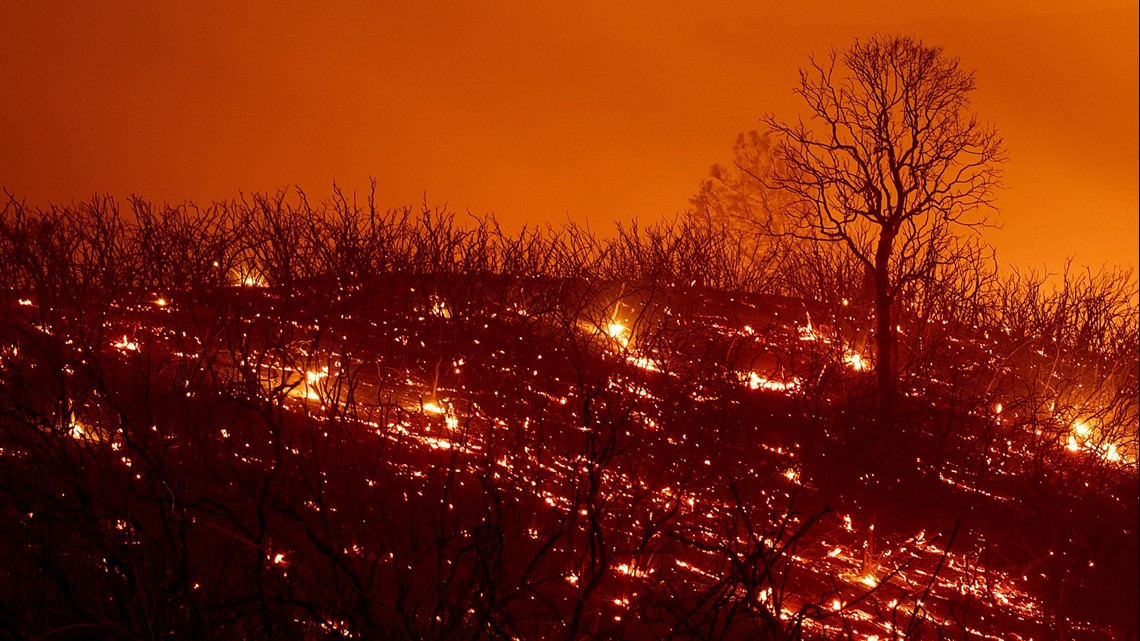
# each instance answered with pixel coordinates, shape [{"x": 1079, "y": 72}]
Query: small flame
[
  {"x": 755, "y": 381},
  {"x": 439, "y": 308},
  {"x": 855, "y": 361},
  {"x": 618, "y": 332},
  {"x": 126, "y": 344},
  {"x": 631, "y": 570},
  {"x": 1072, "y": 445}
]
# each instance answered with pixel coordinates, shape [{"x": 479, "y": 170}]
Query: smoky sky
[{"x": 541, "y": 112}]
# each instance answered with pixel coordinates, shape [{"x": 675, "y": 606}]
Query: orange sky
[{"x": 540, "y": 110}]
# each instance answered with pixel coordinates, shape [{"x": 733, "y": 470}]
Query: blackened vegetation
[{"x": 271, "y": 419}]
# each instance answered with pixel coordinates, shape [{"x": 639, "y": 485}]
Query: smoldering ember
[{"x": 813, "y": 406}]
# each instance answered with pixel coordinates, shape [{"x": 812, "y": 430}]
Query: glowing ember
[
  {"x": 645, "y": 363},
  {"x": 437, "y": 443},
  {"x": 631, "y": 570},
  {"x": 755, "y": 381},
  {"x": 126, "y": 344}
]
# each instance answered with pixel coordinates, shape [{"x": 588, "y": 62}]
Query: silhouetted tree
[{"x": 890, "y": 160}]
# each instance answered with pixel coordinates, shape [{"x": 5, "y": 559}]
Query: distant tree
[
  {"x": 737, "y": 195},
  {"x": 890, "y": 161},
  {"x": 736, "y": 201}
]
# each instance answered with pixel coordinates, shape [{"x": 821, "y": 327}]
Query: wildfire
[
  {"x": 439, "y": 308},
  {"x": 248, "y": 276},
  {"x": 1082, "y": 438},
  {"x": 126, "y": 345},
  {"x": 755, "y": 381},
  {"x": 437, "y": 443},
  {"x": 311, "y": 388},
  {"x": 77, "y": 431},
  {"x": 645, "y": 363},
  {"x": 855, "y": 361},
  {"x": 1072, "y": 445},
  {"x": 618, "y": 332},
  {"x": 631, "y": 570},
  {"x": 807, "y": 332}
]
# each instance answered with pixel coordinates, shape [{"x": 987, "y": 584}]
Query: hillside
[{"x": 470, "y": 451}]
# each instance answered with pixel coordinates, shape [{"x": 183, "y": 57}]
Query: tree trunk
[{"x": 884, "y": 329}]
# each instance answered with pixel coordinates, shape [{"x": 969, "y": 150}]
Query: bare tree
[{"x": 890, "y": 160}]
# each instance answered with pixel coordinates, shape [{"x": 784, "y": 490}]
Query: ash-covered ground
[{"x": 482, "y": 457}]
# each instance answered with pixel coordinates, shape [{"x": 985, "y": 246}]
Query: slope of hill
[
  {"x": 442, "y": 456},
  {"x": 265, "y": 420}
]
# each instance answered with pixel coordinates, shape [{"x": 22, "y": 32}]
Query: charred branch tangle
[{"x": 271, "y": 419}]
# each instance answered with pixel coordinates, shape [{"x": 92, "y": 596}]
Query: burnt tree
[{"x": 889, "y": 163}]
